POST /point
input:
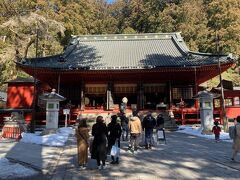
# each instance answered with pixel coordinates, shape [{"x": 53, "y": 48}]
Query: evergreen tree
[
  {"x": 224, "y": 21},
  {"x": 188, "y": 17},
  {"x": 56, "y": 20}
]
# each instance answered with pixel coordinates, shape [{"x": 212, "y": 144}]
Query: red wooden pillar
[
  {"x": 82, "y": 96},
  {"x": 170, "y": 94},
  {"x": 140, "y": 96}
]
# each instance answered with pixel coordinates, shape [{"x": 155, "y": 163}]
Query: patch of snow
[
  {"x": 66, "y": 130},
  {"x": 196, "y": 131},
  {"x": 58, "y": 139}
]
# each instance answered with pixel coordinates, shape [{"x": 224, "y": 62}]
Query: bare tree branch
[{"x": 19, "y": 25}]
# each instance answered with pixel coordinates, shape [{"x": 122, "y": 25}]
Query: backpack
[{"x": 232, "y": 132}]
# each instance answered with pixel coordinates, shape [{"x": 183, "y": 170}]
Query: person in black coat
[
  {"x": 99, "y": 150},
  {"x": 115, "y": 131},
  {"x": 124, "y": 125},
  {"x": 160, "y": 121},
  {"x": 149, "y": 122}
]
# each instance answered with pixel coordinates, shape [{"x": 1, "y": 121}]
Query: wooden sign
[{"x": 66, "y": 111}]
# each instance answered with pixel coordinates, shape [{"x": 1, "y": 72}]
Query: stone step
[{"x": 171, "y": 128}]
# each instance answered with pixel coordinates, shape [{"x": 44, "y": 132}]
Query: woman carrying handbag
[{"x": 115, "y": 131}]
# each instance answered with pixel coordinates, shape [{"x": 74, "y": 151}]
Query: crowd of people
[{"x": 107, "y": 135}]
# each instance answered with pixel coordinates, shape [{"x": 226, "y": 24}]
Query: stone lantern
[
  {"x": 206, "y": 110},
  {"x": 52, "y": 108}
]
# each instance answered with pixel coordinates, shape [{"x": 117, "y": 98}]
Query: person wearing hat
[{"x": 114, "y": 134}]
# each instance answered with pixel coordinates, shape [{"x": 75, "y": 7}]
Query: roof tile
[{"x": 126, "y": 52}]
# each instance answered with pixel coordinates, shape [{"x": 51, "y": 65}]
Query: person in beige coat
[
  {"x": 82, "y": 134},
  {"x": 135, "y": 129},
  {"x": 236, "y": 140}
]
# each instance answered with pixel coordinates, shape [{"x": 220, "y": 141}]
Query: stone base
[{"x": 207, "y": 132}]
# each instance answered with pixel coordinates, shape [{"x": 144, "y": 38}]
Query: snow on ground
[
  {"x": 57, "y": 139},
  {"x": 9, "y": 170},
  {"x": 196, "y": 131},
  {"x": 12, "y": 170}
]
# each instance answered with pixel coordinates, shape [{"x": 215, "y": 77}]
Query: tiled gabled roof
[
  {"x": 121, "y": 51},
  {"x": 21, "y": 80}
]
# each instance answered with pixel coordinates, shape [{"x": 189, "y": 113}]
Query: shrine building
[{"x": 153, "y": 71}]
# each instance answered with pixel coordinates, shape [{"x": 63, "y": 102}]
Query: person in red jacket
[{"x": 216, "y": 130}]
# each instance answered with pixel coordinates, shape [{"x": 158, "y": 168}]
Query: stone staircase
[{"x": 169, "y": 124}]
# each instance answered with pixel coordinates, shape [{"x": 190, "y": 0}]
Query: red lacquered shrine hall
[{"x": 153, "y": 71}]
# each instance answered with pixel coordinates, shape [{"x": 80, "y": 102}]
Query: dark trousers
[
  {"x": 217, "y": 137},
  {"x": 99, "y": 162},
  {"x": 124, "y": 133},
  {"x": 148, "y": 137}
]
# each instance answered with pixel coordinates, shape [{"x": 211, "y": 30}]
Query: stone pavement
[{"x": 183, "y": 157}]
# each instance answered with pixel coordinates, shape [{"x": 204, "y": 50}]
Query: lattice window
[
  {"x": 228, "y": 102},
  {"x": 217, "y": 103},
  {"x": 185, "y": 93},
  {"x": 125, "y": 89},
  {"x": 176, "y": 93},
  {"x": 97, "y": 90},
  {"x": 153, "y": 89}
]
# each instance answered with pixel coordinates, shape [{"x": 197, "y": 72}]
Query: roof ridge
[
  {"x": 170, "y": 33},
  {"x": 208, "y": 54},
  {"x": 142, "y": 36},
  {"x": 183, "y": 49},
  {"x": 41, "y": 58}
]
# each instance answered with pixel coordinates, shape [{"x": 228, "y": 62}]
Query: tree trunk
[{"x": 30, "y": 42}]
